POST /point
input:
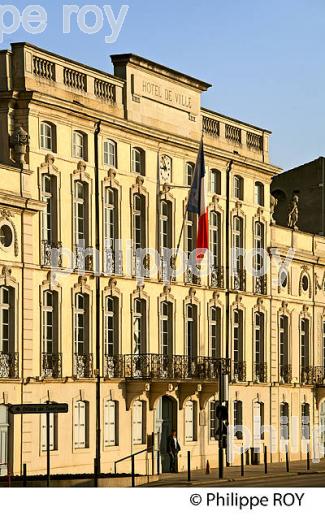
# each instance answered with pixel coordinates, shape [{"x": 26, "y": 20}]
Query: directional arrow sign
[{"x": 21, "y": 409}]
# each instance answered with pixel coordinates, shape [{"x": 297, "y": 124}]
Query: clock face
[{"x": 165, "y": 169}]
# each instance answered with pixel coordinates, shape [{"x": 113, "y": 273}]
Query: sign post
[{"x": 47, "y": 408}]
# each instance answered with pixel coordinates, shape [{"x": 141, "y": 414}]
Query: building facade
[{"x": 95, "y": 168}]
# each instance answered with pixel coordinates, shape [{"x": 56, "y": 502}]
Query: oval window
[
  {"x": 283, "y": 278},
  {"x": 6, "y": 236},
  {"x": 305, "y": 283}
]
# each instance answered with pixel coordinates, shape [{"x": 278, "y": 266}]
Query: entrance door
[
  {"x": 322, "y": 425},
  {"x": 166, "y": 421},
  {"x": 4, "y": 429}
]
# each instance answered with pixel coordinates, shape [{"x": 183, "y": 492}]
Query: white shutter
[
  {"x": 43, "y": 432},
  {"x": 257, "y": 422},
  {"x": 3, "y": 445},
  {"x": 80, "y": 425},
  {"x": 189, "y": 422},
  {"x": 137, "y": 422},
  {"x": 110, "y": 423}
]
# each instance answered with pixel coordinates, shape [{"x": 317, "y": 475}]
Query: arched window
[
  {"x": 138, "y": 161},
  {"x": 139, "y": 222},
  {"x": 238, "y": 260},
  {"x": 189, "y": 171},
  {"x": 111, "y": 230},
  {"x": 7, "y": 327},
  {"x": 48, "y": 136},
  {"x": 166, "y": 328},
  {"x": 51, "y": 361},
  {"x": 191, "y": 331},
  {"x": 304, "y": 348},
  {"x": 260, "y": 375},
  {"x": 110, "y": 153},
  {"x": 83, "y": 360},
  {"x": 259, "y": 267},
  {"x": 166, "y": 225},
  {"x": 215, "y": 332},
  {"x": 80, "y": 145},
  {"x": 215, "y": 181},
  {"x": 80, "y": 214},
  {"x": 139, "y": 326},
  {"x": 50, "y": 212},
  {"x": 238, "y": 189},
  {"x": 305, "y": 421},
  {"x": 285, "y": 369},
  {"x": 111, "y": 326},
  {"x": 81, "y": 425},
  {"x": 238, "y": 346},
  {"x": 258, "y": 422},
  {"x": 259, "y": 193},
  {"x": 215, "y": 238}
]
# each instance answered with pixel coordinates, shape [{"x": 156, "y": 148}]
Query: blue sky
[{"x": 265, "y": 58}]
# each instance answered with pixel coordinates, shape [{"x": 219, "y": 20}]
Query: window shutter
[
  {"x": 257, "y": 422},
  {"x": 137, "y": 422},
  {"x": 110, "y": 423},
  {"x": 3, "y": 444},
  {"x": 44, "y": 432},
  {"x": 82, "y": 425},
  {"x": 189, "y": 424}
]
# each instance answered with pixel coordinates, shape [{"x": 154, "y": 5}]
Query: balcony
[
  {"x": 83, "y": 259},
  {"x": 192, "y": 277},
  {"x": 113, "y": 262},
  {"x": 239, "y": 280},
  {"x": 52, "y": 366},
  {"x": 162, "y": 367},
  {"x": 141, "y": 266},
  {"x": 285, "y": 374},
  {"x": 167, "y": 270},
  {"x": 260, "y": 284},
  {"x": 260, "y": 373},
  {"x": 51, "y": 254},
  {"x": 83, "y": 366},
  {"x": 238, "y": 374},
  {"x": 217, "y": 279},
  {"x": 307, "y": 376},
  {"x": 319, "y": 376},
  {"x": 9, "y": 366}
]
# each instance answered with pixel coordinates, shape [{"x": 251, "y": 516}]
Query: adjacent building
[{"x": 95, "y": 167}]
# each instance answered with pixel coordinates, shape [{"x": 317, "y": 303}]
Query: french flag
[{"x": 198, "y": 204}]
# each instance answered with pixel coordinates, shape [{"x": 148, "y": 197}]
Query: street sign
[{"x": 21, "y": 409}]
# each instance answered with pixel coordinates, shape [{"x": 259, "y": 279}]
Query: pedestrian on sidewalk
[{"x": 173, "y": 448}]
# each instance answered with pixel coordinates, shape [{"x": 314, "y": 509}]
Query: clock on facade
[{"x": 165, "y": 168}]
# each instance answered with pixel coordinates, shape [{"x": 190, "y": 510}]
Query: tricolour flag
[{"x": 198, "y": 204}]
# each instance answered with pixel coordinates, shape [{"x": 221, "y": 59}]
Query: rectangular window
[
  {"x": 110, "y": 155},
  {"x": 110, "y": 423},
  {"x": 213, "y": 419},
  {"x": 284, "y": 421},
  {"x": 81, "y": 424},
  {"x": 304, "y": 343},
  {"x": 138, "y": 423},
  {"x": 305, "y": 421},
  {"x": 53, "y": 432},
  {"x": 190, "y": 410}
]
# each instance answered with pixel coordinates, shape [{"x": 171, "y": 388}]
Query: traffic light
[{"x": 221, "y": 423}]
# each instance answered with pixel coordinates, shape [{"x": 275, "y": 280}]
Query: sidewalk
[{"x": 233, "y": 474}]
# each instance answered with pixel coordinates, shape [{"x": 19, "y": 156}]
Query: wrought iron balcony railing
[
  {"x": 319, "y": 376},
  {"x": 83, "y": 366},
  {"x": 238, "y": 371},
  {"x": 167, "y": 270},
  {"x": 163, "y": 367},
  {"x": 113, "y": 262},
  {"x": 84, "y": 258},
  {"x": 285, "y": 374},
  {"x": 260, "y": 372},
  {"x": 260, "y": 284},
  {"x": 192, "y": 276},
  {"x": 52, "y": 366},
  {"x": 217, "y": 278},
  {"x": 239, "y": 280},
  {"x": 9, "y": 366},
  {"x": 51, "y": 254},
  {"x": 307, "y": 376},
  {"x": 141, "y": 266}
]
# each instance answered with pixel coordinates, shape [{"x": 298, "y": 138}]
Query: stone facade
[{"x": 158, "y": 365}]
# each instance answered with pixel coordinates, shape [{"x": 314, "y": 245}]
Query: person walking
[{"x": 173, "y": 448}]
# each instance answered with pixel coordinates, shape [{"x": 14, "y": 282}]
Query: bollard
[
  {"x": 133, "y": 470},
  {"x": 158, "y": 462},
  {"x": 287, "y": 459},
  {"x": 308, "y": 457},
  {"x": 242, "y": 472},
  {"x": 24, "y": 475},
  {"x": 265, "y": 460},
  {"x": 189, "y": 466},
  {"x": 207, "y": 471},
  {"x": 220, "y": 463}
]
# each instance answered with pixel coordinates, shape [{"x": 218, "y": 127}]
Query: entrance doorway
[{"x": 166, "y": 421}]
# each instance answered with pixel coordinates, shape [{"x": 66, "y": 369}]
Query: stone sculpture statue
[
  {"x": 293, "y": 212},
  {"x": 273, "y": 204}
]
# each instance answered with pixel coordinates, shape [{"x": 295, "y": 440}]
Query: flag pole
[{"x": 184, "y": 219}]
